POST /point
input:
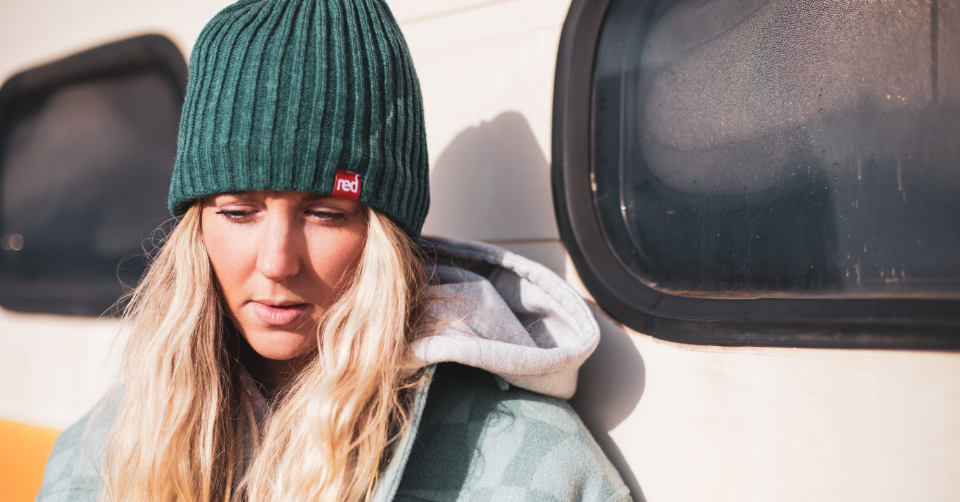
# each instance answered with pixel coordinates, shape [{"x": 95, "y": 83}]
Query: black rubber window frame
[
  {"x": 144, "y": 52},
  {"x": 887, "y": 323}
]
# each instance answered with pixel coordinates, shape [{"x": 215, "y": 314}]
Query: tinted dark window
[
  {"x": 780, "y": 147},
  {"x": 87, "y": 147}
]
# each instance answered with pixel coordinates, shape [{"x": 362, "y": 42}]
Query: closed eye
[
  {"x": 327, "y": 215},
  {"x": 236, "y": 214}
]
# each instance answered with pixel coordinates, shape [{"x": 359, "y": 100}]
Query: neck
[
  {"x": 277, "y": 376},
  {"x": 273, "y": 376}
]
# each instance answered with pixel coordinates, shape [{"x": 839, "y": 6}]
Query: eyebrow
[{"x": 211, "y": 199}]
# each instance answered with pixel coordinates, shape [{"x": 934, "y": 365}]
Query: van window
[
  {"x": 87, "y": 146},
  {"x": 767, "y": 149},
  {"x": 781, "y": 146}
]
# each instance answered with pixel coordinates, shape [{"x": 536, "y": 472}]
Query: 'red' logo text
[{"x": 346, "y": 185}]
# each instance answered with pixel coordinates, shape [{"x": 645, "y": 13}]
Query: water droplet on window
[
  {"x": 823, "y": 152},
  {"x": 12, "y": 242},
  {"x": 835, "y": 178},
  {"x": 821, "y": 110},
  {"x": 835, "y": 165}
]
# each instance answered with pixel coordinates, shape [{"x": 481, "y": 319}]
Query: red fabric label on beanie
[{"x": 346, "y": 185}]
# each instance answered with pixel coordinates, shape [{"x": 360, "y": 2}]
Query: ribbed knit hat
[{"x": 293, "y": 94}]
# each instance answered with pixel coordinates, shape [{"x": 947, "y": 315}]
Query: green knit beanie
[{"x": 308, "y": 95}]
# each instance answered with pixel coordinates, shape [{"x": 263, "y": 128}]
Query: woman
[{"x": 284, "y": 343}]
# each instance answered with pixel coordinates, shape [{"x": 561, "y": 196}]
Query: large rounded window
[{"x": 783, "y": 167}]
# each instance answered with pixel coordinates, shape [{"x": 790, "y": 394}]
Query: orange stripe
[{"x": 23, "y": 455}]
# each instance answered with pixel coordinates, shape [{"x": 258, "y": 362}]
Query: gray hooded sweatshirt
[{"x": 492, "y": 424}]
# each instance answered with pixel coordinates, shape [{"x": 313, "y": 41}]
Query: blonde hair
[{"x": 330, "y": 434}]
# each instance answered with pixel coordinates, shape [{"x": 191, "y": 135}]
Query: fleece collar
[{"x": 503, "y": 313}]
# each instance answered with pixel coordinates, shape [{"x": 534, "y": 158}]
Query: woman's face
[{"x": 281, "y": 259}]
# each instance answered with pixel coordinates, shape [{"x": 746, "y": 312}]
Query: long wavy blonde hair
[{"x": 330, "y": 434}]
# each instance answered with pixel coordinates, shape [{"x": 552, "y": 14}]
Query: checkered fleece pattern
[{"x": 478, "y": 443}]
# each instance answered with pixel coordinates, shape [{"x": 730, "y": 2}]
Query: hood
[{"x": 500, "y": 312}]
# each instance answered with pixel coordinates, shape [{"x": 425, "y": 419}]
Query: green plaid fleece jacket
[{"x": 476, "y": 438}]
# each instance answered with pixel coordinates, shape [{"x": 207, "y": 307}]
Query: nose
[{"x": 278, "y": 253}]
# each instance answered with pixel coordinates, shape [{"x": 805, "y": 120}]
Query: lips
[{"x": 278, "y": 315}]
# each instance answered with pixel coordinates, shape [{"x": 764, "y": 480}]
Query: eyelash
[
  {"x": 325, "y": 215},
  {"x": 240, "y": 214},
  {"x": 236, "y": 214}
]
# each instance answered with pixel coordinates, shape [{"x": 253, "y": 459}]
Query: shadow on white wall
[
  {"x": 492, "y": 183},
  {"x": 610, "y": 385}
]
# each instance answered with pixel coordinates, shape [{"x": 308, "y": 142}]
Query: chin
[{"x": 280, "y": 345}]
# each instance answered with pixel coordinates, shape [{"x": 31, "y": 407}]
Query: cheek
[
  {"x": 225, "y": 249},
  {"x": 335, "y": 258}
]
